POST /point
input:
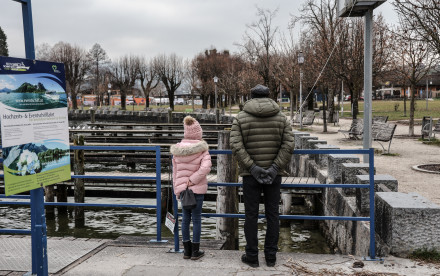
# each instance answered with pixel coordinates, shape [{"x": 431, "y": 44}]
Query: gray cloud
[{"x": 145, "y": 27}]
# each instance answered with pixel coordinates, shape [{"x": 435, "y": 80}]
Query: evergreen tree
[{"x": 3, "y": 44}]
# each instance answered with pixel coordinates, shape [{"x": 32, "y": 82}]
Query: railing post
[
  {"x": 170, "y": 116},
  {"x": 227, "y": 197},
  {"x": 372, "y": 227},
  {"x": 78, "y": 168},
  {"x": 158, "y": 199},
  {"x": 38, "y": 232},
  {"x": 92, "y": 115}
]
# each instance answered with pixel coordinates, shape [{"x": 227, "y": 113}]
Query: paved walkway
[
  {"x": 106, "y": 257},
  {"x": 407, "y": 152}
]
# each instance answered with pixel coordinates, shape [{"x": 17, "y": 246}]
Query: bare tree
[
  {"x": 422, "y": 17},
  {"x": 148, "y": 77},
  {"x": 230, "y": 78},
  {"x": 43, "y": 51},
  {"x": 286, "y": 67},
  {"x": 191, "y": 78},
  {"x": 207, "y": 65},
  {"x": 97, "y": 56},
  {"x": 76, "y": 65},
  {"x": 321, "y": 17},
  {"x": 415, "y": 60},
  {"x": 258, "y": 46},
  {"x": 124, "y": 75},
  {"x": 338, "y": 47},
  {"x": 171, "y": 73}
]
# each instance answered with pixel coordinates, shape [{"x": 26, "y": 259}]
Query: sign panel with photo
[{"x": 34, "y": 124}]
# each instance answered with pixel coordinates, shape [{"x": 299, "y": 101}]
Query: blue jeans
[{"x": 196, "y": 215}]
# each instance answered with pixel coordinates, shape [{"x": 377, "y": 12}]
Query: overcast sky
[{"x": 146, "y": 27}]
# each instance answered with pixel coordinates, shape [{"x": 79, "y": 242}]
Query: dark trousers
[{"x": 251, "y": 195}]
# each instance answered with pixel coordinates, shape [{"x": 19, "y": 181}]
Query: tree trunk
[
  {"x": 404, "y": 103},
  {"x": 412, "y": 109},
  {"x": 204, "y": 102},
  {"x": 331, "y": 105},
  {"x": 79, "y": 193},
  {"x": 355, "y": 103},
  {"x": 123, "y": 98},
  {"x": 49, "y": 197},
  {"x": 324, "y": 115},
  {"x": 73, "y": 98}
]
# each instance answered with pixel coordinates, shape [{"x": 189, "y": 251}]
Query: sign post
[{"x": 38, "y": 221}]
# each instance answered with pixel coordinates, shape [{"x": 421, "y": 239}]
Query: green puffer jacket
[{"x": 261, "y": 135}]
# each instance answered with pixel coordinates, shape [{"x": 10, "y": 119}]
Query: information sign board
[{"x": 34, "y": 124}]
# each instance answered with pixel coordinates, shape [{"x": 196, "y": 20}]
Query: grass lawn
[
  {"x": 388, "y": 108},
  {"x": 393, "y": 109}
]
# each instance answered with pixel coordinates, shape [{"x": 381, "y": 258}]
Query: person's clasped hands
[{"x": 264, "y": 176}]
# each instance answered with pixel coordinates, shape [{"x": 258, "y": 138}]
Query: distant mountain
[
  {"x": 31, "y": 147},
  {"x": 35, "y": 148},
  {"x": 27, "y": 87},
  {"x": 5, "y": 90}
]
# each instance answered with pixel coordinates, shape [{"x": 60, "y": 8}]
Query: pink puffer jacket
[{"x": 191, "y": 160}]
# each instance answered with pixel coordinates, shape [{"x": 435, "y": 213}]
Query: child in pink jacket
[{"x": 191, "y": 165}]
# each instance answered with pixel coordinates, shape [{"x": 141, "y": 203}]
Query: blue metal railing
[
  {"x": 122, "y": 148},
  {"x": 370, "y": 186},
  {"x": 38, "y": 230}
]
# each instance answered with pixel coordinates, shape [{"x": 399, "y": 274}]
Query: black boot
[
  {"x": 196, "y": 253},
  {"x": 271, "y": 260},
  {"x": 251, "y": 262},
  {"x": 187, "y": 250}
]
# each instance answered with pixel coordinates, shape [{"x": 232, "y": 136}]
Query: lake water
[{"x": 110, "y": 223}]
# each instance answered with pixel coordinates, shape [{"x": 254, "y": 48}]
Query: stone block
[
  {"x": 322, "y": 159},
  {"x": 349, "y": 173},
  {"x": 303, "y": 140},
  {"x": 335, "y": 162},
  {"x": 363, "y": 195},
  {"x": 406, "y": 222},
  {"x": 312, "y": 143},
  {"x": 297, "y": 136}
]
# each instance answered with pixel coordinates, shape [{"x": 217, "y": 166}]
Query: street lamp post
[
  {"x": 108, "y": 94},
  {"x": 427, "y": 93},
  {"x": 300, "y": 62},
  {"x": 215, "y": 100},
  {"x": 356, "y": 9}
]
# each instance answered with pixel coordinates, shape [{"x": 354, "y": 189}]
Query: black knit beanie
[{"x": 259, "y": 91}]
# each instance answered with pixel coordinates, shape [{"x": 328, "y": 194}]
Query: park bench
[
  {"x": 380, "y": 119},
  {"x": 355, "y": 131},
  {"x": 427, "y": 127},
  {"x": 327, "y": 116},
  {"x": 383, "y": 132},
  {"x": 308, "y": 118},
  {"x": 436, "y": 128}
]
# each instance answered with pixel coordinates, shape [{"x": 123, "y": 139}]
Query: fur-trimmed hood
[{"x": 188, "y": 147}]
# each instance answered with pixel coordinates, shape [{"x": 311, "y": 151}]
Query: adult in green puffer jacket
[{"x": 262, "y": 141}]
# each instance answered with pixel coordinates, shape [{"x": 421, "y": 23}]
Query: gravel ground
[{"x": 408, "y": 153}]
